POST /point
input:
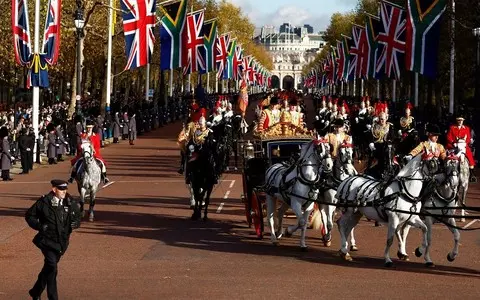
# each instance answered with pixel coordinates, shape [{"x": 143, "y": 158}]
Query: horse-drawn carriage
[{"x": 280, "y": 143}]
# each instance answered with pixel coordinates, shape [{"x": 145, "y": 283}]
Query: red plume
[{"x": 409, "y": 106}]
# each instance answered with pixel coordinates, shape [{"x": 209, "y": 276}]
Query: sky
[{"x": 317, "y": 13}]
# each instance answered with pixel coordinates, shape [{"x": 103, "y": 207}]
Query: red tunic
[
  {"x": 95, "y": 141},
  {"x": 463, "y": 132}
]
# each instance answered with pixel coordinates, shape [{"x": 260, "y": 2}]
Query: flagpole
[
  {"x": 109, "y": 57},
  {"x": 36, "y": 89},
  {"x": 208, "y": 83},
  {"x": 362, "y": 88},
  {"x": 147, "y": 81},
  {"x": 451, "y": 100},
  {"x": 216, "y": 84},
  {"x": 416, "y": 90},
  {"x": 341, "y": 89},
  {"x": 394, "y": 91},
  {"x": 354, "y": 86}
]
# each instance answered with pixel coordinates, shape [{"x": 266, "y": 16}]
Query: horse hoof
[
  {"x": 450, "y": 258},
  {"x": 429, "y": 264},
  {"x": 418, "y": 253},
  {"x": 389, "y": 264},
  {"x": 345, "y": 256},
  {"x": 353, "y": 248},
  {"x": 304, "y": 249},
  {"x": 327, "y": 244},
  {"x": 403, "y": 257},
  {"x": 288, "y": 234}
]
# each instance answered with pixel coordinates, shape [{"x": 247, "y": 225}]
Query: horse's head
[
  {"x": 346, "y": 153},
  {"x": 430, "y": 164},
  {"x": 87, "y": 149},
  {"x": 322, "y": 148}
]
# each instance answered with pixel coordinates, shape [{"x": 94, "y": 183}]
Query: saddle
[{"x": 80, "y": 165}]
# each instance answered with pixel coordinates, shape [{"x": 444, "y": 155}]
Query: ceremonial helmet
[{"x": 408, "y": 107}]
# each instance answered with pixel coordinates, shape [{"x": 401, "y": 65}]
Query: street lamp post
[
  {"x": 79, "y": 23},
  {"x": 476, "y": 33}
]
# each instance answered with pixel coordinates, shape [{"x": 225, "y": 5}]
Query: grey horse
[{"x": 88, "y": 177}]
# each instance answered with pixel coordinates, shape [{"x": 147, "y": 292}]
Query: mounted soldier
[
  {"x": 461, "y": 134},
  {"x": 94, "y": 139},
  {"x": 187, "y": 133},
  {"x": 408, "y": 136},
  {"x": 380, "y": 140}
]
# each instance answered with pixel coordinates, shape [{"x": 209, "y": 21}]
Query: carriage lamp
[{"x": 249, "y": 151}]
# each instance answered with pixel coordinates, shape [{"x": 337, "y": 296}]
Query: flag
[
  {"x": 248, "y": 69},
  {"x": 171, "y": 29},
  {"x": 228, "y": 72},
  {"x": 138, "y": 23},
  {"x": 194, "y": 52},
  {"x": 221, "y": 54},
  {"x": 342, "y": 59},
  {"x": 372, "y": 27},
  {"x": 422, "y": 35},
  {"x": 391, "y": 40},
  {"x": 359, "y": 53},
  {"x": 38, "y": 72},
  {"x": 21, "y": 32},
  {"x": 210, "y": 40},
  {"x": 238, "y": 66},
  {"x": 51, "y": 35}
]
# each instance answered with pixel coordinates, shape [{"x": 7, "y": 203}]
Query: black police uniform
[{"x": 54, "y": 224}]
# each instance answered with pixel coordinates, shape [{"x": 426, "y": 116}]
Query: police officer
[{"x": 54, "y": 216}]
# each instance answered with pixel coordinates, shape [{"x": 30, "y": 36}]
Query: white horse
[
  {"x": 88, "y": 177},
  {"x": 342, "y": 169},
  {"x": 296, "y": 186},
  {"x": 403, "y": 193},
  {"x": 464, "y": 175},
  {"x": 444, "y": 196}
]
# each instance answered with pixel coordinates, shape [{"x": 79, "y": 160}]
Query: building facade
[{"x": 291, "y": 48}]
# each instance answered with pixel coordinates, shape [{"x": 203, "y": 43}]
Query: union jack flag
[
  {"x": 391, "y": 40},
  {"x": 359, "y": 53},
  {"x": 194, "y": 54},
  {"x": 138, "y": 23},
  {"x": 238, "y": 66},
  {"x": 248, "y": 68},
  {"x": 21, "y": 32},
  {"x": 221, "y": 54},
  {"x": 51, "y": 36}
]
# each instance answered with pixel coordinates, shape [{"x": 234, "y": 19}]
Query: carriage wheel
[
  {"x": 257, "y": 214},
  {"x": 247, "y": 203}
]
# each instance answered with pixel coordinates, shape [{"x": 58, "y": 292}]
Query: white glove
[
  {"x": 399, "y": 132},
  {"x": 57, "y": 145},
  {"x": 471, "y": 141},
  {"x": 356, "y": 119},
  {"x": 455, "y": 144},
  {"x": 408, "y": 157},
  {"x": 369, "y": 126},
  {"x": 327, "y": 122},
  {"x": 371, "y": 146}
]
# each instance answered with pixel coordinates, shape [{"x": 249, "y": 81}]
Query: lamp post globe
[{"x": 476, "y": 33}]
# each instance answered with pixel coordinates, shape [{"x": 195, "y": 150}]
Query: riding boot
[
  {"x": 182, "y": 164},
  {"x": 105, "y": 179},
  {"x": 72, "y": 176},
  {"x": 473, "y": 178}
]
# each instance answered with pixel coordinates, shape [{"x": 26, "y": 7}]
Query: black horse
[{"x": 201, "y": 174}]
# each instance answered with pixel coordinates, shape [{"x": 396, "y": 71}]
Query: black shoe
[
  {"x": 106, "y": 180},
  {"x": 34, "y": 297},
  {"x": 180, "y": 171}
]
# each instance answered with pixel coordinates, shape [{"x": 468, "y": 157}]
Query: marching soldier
[
  {"x": 52, "y": 144},
  {"x": 458, "y": 133},
  {"x": 117, "y": 127},
  {"x": 132, "y": 130}
]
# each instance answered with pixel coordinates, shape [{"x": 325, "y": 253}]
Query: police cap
[{"x": 59, "y": 184}]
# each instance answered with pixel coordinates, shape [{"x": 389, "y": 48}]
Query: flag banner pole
[
  {"x": 36, "y": 89},
  {"x": 378, "y": 89},
  {"x": 416, "y": 90},
  {"x": 170, "y": 80},
  {"x": 147, "y": 82},
  {"x": 354, "y": 86},
  {"x": 451, "y": 100},
  {"x": 362, "y": 90},
  {"x": 109, "y": 56},
  {"x": 208, "y": 83},
  {"x": 394, "y": 91},
  {"x": 341, "y": 89},
  {"x": 348, "y": 88},
  {"x": 216, "y": 84}
]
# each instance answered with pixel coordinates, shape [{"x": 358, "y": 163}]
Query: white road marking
[
  {"x": 225, "y": 197},
  {"x": 219, "y": 209},
  {"x": 232, "y": 184},
  {"x": 470, "y": 224}
]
